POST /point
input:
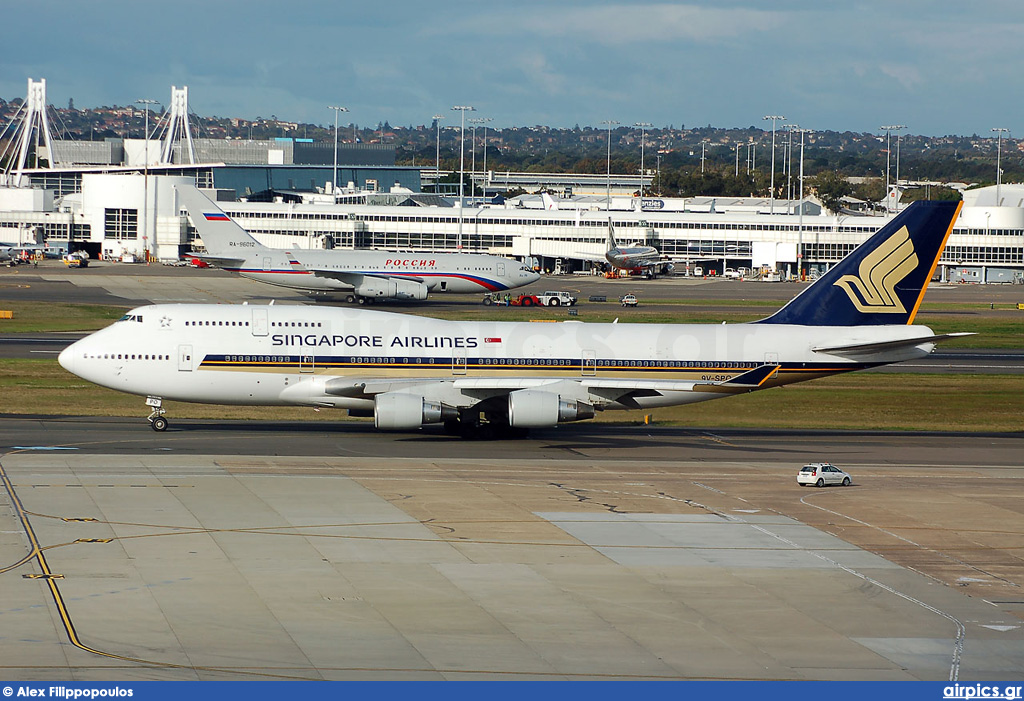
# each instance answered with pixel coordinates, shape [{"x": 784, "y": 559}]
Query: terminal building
[{"x": 116, "y": 200}]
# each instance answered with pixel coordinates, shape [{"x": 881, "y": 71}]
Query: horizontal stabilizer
[
  {"x": 219, "y": 261},
  {"x": 747, "y": 382},
  {"x": 879, "y": 346}
]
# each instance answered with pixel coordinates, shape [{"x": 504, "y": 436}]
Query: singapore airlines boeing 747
[{"x": 503, "y": 377}]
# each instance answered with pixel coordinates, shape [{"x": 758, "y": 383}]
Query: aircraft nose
[{"x": 67, "y": 358}]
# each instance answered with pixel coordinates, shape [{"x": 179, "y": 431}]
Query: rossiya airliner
[
  {"x": 362, "y": 276},
  {"x": 499, "y": 378}
]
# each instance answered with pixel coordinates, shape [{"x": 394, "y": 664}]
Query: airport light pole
[
  {"x": 462, "y": 165},
  {"x": 789, "y": 162},
  {"x": 643, "y": 127},
  {"x": 774, "y": 118},
  {"x": 800, "y": 227},
  {"x": 334, "y": 183},
  {"x": 608, "y": 168},
  {"x": 145, "y": 181},
  {"x": 899, "y": 137},
  {"x": 437, "y": 158},
  {"x": 485, "y": 149},
  {"x": 888, "y": 129},
  {"x": 999, "y": 151},
  {"x": 738, "y": 159},
  {"x": 472, "y": 178}
]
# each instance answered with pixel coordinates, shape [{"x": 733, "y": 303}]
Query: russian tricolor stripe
[{"x": 216, "y": 216}]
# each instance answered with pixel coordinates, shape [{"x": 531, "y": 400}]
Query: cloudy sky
[{"x": 937, "y": 66}]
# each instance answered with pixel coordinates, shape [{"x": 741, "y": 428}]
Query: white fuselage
[
  {"x": 338, "y": 357},
  {"x": 334, "y": 270}
]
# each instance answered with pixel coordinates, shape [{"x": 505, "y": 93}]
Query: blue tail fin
[{"x": 883, "y": 280}]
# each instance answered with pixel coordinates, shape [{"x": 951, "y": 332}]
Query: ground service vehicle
[{"x": 555, "y": 299}]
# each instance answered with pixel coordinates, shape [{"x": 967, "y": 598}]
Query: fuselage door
[
  {"x": 260, "y": 323},
  {"x": 459, "y": 365},
  {"x": 268, "y": 264},
  {"x": 306, "y": 363},
  {"x": 501, "y": 269},
  {"x": 771, "y": 358},
  {"x": 588, "y": 366},
  {"x": 185, "y": 358}
]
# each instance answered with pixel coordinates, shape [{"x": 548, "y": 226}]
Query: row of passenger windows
[
  {"x": 297, "y": 324},
  {"x": 216, "y": 323},
  {"x": 127, "y": 356}
]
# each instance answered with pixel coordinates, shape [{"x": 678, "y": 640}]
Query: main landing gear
[
  {"x": 156, "y": 419},
  {"x": 359, "y": 299},
  {"x": 495, "y": 426}
]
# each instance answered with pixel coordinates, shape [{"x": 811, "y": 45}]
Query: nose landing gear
[{"x": 156, "y": 418}]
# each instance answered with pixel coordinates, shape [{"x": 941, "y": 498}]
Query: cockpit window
[{"x": 131, "y": 317}]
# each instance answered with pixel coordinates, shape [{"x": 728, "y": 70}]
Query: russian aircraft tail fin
[
  {"x": 882, "y": 282},
  {"x": 222, "y": 237}
]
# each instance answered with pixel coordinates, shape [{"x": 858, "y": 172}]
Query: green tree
[{"x": 830, "y": 188}]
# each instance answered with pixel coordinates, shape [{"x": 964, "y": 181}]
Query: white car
[
  {"x": 821, "y": 473},
  {"x": 628, "y": 300}
]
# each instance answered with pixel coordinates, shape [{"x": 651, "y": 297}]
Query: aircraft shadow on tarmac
[{"x": 582, "y": 437}]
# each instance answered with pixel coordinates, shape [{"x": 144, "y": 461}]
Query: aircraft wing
[
  {"x": 356, "y": 279},
  {"x": 610, "y": 388},
  {"x": 583, "y": 255}
]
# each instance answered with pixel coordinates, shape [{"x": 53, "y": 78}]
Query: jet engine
[
  {"x": 531, "y": 408},
  {"x": 391, "y": 288},
  {"x": 396, "y": 411}
]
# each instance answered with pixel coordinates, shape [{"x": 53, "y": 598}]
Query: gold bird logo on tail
[{"x": 873, "y": 290}]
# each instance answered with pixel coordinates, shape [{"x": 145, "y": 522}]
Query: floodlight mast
[
  {"x": 608, "y": 168},
  {"x": 334, "y": 183},
  {"x": 462, "y": 165},
  {"x": 889, "y": 129},
  {"x": 145, "y": 181},
  {"x": 774, "y": 118},
  {"x": 643, "y": 126},
  {"x": 999, "y": 170}
]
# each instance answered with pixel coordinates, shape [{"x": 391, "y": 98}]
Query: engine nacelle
[
  {"x": 532, "y": 408},
  {"x": 410, "y": 289},
  {"x": 391, "y": 288},
  {"x": 396, "y": 411}
]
